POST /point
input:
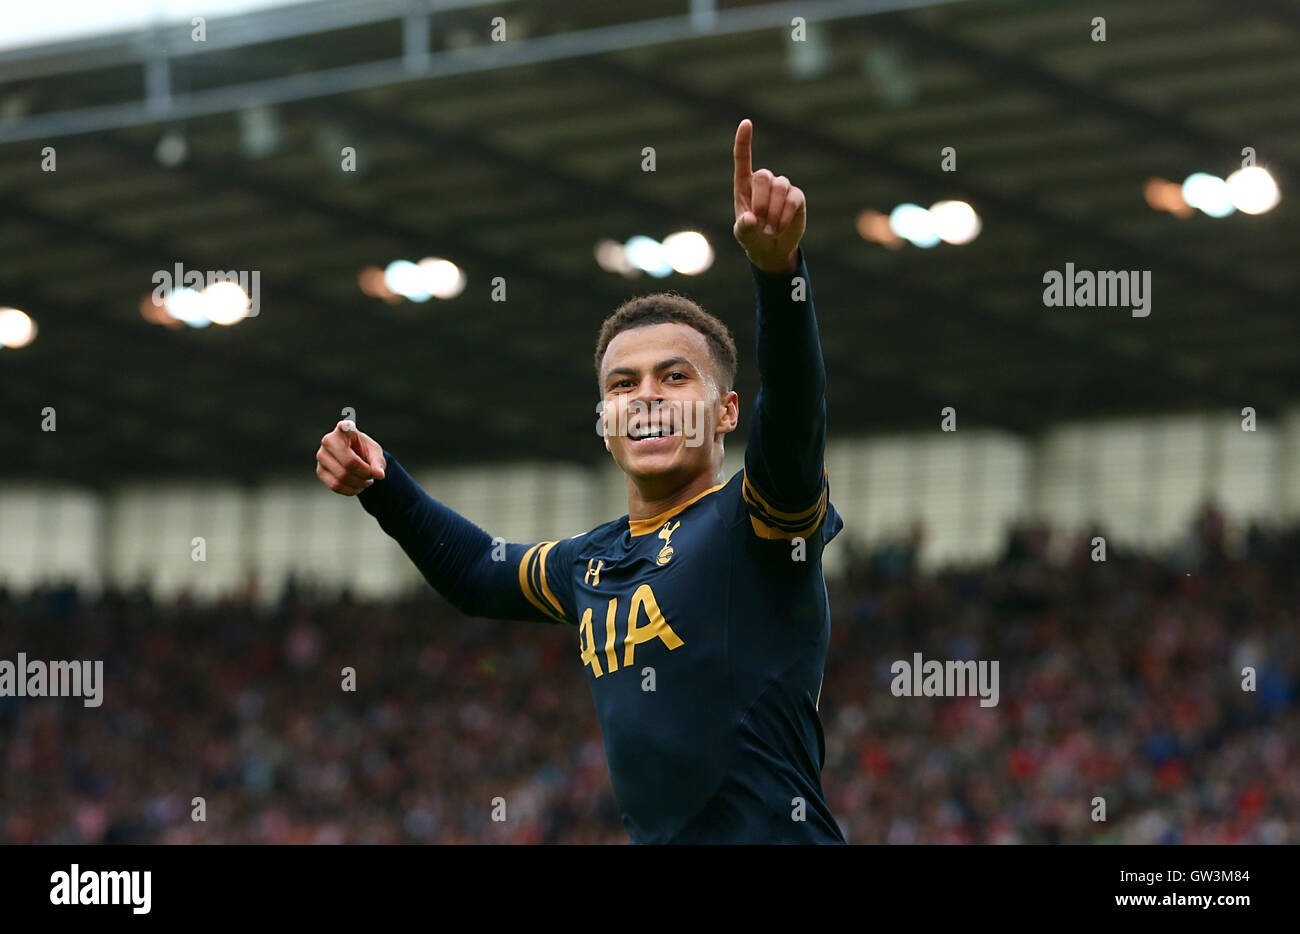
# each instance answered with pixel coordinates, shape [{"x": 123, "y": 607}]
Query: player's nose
[{"x": 649, "y": 392}]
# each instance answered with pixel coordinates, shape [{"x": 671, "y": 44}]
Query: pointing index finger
[{"x": 744, "y": 165}]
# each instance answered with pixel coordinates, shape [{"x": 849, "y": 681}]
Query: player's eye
[
  {"x": 677, "y": 373},
  {"x": 621, "y": 383}
]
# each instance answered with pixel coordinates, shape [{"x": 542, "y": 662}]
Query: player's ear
[{"x": 730, "y": 416}]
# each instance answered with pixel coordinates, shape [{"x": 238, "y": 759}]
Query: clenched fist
[{"x": 349, "y": 460}]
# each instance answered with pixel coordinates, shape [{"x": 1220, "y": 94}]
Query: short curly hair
[{"x": 670, "y": 308}]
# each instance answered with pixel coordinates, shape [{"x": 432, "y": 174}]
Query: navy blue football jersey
[
  {"x": 703, "y": 631},
  {"x": 703, "y": 635}
]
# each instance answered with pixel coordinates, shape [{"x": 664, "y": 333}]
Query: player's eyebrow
[{"x": 661, "y": 365}]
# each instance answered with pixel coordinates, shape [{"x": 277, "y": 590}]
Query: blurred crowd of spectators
[{"x": 1119, "y": 680}]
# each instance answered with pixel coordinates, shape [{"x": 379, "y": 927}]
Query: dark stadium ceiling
[{"x": 518, "y": 171}]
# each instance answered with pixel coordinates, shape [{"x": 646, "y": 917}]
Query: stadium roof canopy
[{"x": 513, "y": 159}]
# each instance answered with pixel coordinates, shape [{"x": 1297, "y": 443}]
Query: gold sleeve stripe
[
  {"x": 546, "y": 589},
  {"x": 792, "y": 526},
  {"x": 754, "y": 499},
  {"x": 764, "y": 530},
  {"x": 526, "y": 586}
]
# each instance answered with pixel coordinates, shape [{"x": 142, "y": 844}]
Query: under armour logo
[{"x": 592, "y": 576}]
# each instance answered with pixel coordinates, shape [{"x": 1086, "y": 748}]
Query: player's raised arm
[
  {"x": 785, "y": 482},
  {"x": 479, "y": 575}
]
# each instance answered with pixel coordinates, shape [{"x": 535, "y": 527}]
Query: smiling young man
[{"x": 702, "y": 615}]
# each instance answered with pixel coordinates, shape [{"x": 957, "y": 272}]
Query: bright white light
[
  {"x": 189, "y": 306},
  {"x": 171, "y": 150},
  {"x": 442, "y": 277},
  {"x": 407, "y": 279},
  {"x": 688, "y": 252},
  {"x": 913, "y": 222},
  {"x": 648, "y": 255},
  {"x": 1208, "y": 193},
  {"x": 955, "y": 221},
  {"x": 1253, "y": 190},
  {"x": 227, "y": 303},
  {"x": 16, "y": 328}
]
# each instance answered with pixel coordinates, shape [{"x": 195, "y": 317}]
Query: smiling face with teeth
[{"x": 665, "y": 412}]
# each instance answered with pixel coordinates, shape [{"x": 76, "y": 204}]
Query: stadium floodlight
[
  {"x": 914, "y": 223},
  {"x": 955, "y": 221},
  {"x": 688, "y": 252},
  {"x": 1253, "y": 190},
  {"x": 647, "y": 254},
  {"x": 1164, "y": 195},
  {"x": 874, "y": 227},
  {"x": 226, "y": 302},
  {"x": 189, "y": 306},
  {"x": 371, "y": 280},
  {"x": 442, "y": 277},
  {"x": 407, "y": 280},
  {"x": 612, "y": 257},
  {"x": 1208, "y": 194},
  {"x": 17, "y": 329},
  {"x": 171, "y": 149}
]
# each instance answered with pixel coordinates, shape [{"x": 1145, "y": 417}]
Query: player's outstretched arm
[
  {"x": 785, "y": 458},
  {"x": 479, "y": 575}
]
